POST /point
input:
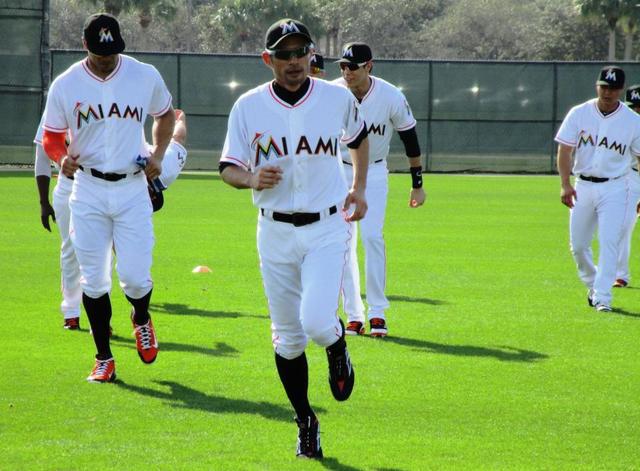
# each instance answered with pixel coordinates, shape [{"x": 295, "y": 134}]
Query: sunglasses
[
  {"x": 287, "y": 54},
  {"x": 351, "y": 66}
]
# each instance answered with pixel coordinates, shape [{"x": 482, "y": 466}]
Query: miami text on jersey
[
  {"x": 588, "y": 140},
  {"x": 84, "y": 114},
  {"x": 267, "y": 147},
  {"x": 377, "y": 129}
]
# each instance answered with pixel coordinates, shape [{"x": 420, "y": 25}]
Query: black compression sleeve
[
  {"x": 410, "y": 141},
  {"x": 358, "y": 140}
]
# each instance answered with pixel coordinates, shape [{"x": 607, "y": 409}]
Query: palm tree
[
  {"x": 610, "y": 10},
  {"x": 630, "y": 22}
]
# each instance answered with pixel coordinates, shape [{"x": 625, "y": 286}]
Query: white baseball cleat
[{"x": 601, "y": 307}]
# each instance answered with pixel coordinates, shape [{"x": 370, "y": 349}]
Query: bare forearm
[
  {"x": 43, "y": 188},
  {"x": 360, "y": 160},
  {"x": 237, "y": 177},
  {"x": 564, "y": 163},
  {"x": 162, "y": 132}
]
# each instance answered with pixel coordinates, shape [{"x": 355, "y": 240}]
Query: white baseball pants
[
  {"x": 624, "y": 250},
  {"x": 69, "y": 268},
  {"x": 371, "y": 234},
  {"x": 602, "y": 206},
  {"x": 112, "y": 215},
  {"x": 302, "y": 274}
]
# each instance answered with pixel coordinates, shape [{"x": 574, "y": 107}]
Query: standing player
[
  {"x": 317, "y": 66},
  {"x": 632, "y": 100},
  {"x": 603, "y": 135},
  {"x": 172, "y": 164},
  {"x": 102, "y": 102},
  {"x": 385, "y": 108},
  {"x": 283, "y": 142}
]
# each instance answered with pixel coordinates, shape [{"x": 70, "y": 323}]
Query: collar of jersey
[
  {"x": 373, "y": 85},
  {"x": 299, "y": 102},
  {"x": 605, "y": 116},
  {"x": 108, "y": 77}
]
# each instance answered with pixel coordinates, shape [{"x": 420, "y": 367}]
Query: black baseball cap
[
  {"x": 102, "y": 33},
  {"x": 611, "y": 76},
  {"x": 632, "y": 96},
  {"x": 317, "y": 61},
  {"x": 356, "y": 53},
  {"x": 283, "y": 29}
]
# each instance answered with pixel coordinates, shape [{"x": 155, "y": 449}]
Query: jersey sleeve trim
[
  {"x": 566, "y": 143},
  {"x": 234, "y": 161},
  {"x": 52, "y": 129},
  {"x": 408, "y": 126},
  {"x": 165, "y": 109},
  {"x": 350, "y": 139}
]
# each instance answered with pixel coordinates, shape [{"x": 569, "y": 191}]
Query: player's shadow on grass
[
  {"x": 220, "y": 349},
  {"x": 184, "y": 310},
  {"x": 410, "y": 299},
  {"x": 622, "y": 312},
  {"x": 502, "y": 353},
  {"x": 335, "y": 465},
  {"x": 184, "y": 397}
]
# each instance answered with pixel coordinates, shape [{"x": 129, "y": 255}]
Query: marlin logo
[
  {"x": 266, "y": 148},
  {"x": 348, "y": 52},
  {"x": 635, "y": 95},
  {"x": 611, "y": 75},
  {"x": 289, "y": 27},
  {"x": 105, "y": 36}
]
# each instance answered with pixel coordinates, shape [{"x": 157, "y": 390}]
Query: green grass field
[{"x": 494, "y": 360}]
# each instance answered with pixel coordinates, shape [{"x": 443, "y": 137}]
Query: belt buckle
[{"x": 298, "y": 219}]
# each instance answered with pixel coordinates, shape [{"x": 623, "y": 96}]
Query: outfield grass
[{"x": 494, "y": 360}]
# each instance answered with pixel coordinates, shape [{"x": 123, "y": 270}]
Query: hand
[
  {"x": 568, "y": 196},
  {"x": 45, "y": 211},
  {"x": 69, "y": 165},
  {"x": 153, "y": 168},
  {"x": 355, "y": 197},
  {"x": 417, "y": 197},
  {"x": 266, "y": 177}
]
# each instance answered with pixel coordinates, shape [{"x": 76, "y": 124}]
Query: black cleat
[
  {"x": 341, "y": 374},
  {"x": 590, "y": 297},
  {"x": 308, "y": 438}
]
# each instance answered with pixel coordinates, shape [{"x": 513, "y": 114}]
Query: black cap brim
[
  {"x": 293, "y": 33},
  {"x": 108, "y": 49}
]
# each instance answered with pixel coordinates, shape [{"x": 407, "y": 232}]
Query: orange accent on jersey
[{"x": 54, "y": 145}]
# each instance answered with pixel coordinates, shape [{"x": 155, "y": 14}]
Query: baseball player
[
  {"x": 632, "y": 100},
  {"x": 603, "y": 135},
  {"x": 384, "y": 108},
  {"x": 102, "y": 103},
  {"x": 317, "y": 66},
  {"x": 283, "y": 142},
  {"x": 173, "y": 162}
]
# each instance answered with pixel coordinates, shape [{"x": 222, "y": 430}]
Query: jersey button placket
[{"x": 296, "y": 131}]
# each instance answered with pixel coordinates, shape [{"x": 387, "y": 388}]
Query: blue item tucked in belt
[
  {"x": 109, "y": 176},
  {"x": 298, "y": 219}
]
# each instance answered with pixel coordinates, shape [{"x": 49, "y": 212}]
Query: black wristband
[{"x": 416, "y": 177}]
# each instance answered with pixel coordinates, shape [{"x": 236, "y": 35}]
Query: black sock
[
  {"x": 141, "y": 308},
  {"x": 294, "y": 375},
  {"x": 99, "y": 314}
]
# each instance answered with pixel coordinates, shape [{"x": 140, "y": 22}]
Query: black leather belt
[
  {"x": 634, "y": 169},
  {"x": 349, "y": 163},
  {"x": 298, "y": 219},
  {"x": 594, "y": 179},
  {"x": 109, "y": 176}
]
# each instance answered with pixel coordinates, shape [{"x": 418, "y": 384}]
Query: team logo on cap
[
  {"x": 105, "y": 35},
  {"x": 635, "y": 95},
  {"x": 289, "y": 27},
  {"x": 347, "y": 52},
  {"x": 611, "y": 75}
]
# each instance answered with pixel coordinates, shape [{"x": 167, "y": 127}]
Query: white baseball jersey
[
  {"x": 384, "y": 108},
  {"x": 302, "y": 139},
  {"x": 604, "y": 145},
  {"x": 105, "y": 117}
]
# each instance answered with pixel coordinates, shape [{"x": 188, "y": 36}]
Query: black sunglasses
[
  {"x": 286, "y": 54},
  {"x": 351, "y": 65}
]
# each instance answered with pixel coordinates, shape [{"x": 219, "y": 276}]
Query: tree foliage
[{"x": 447, "y": 29}]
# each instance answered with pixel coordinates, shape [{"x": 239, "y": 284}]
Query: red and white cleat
[
  {"x": 146, "y": 341},
  {"x": 103, "y": 372}
]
